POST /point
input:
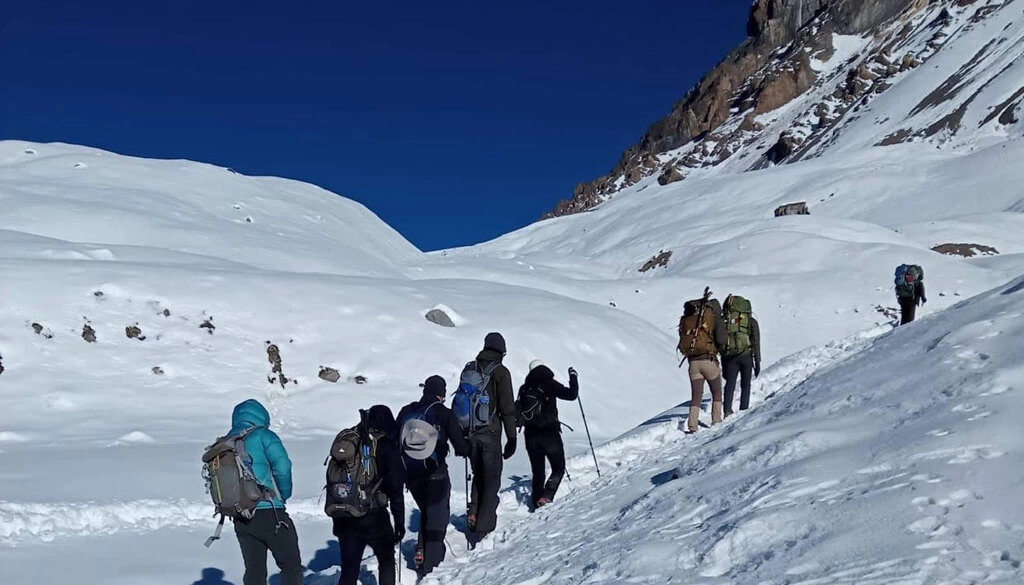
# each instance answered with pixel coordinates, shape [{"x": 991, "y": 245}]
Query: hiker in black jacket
[
  {"x": 375, "y": 529},
  {"x": 537, "y": 408},
  {"x": 428, "y": 479}
]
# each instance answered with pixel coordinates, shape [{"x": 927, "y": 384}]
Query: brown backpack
[{"x": 696, "y": 329}]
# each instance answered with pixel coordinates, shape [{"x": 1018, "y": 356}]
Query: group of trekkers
[
  {"x": 726, "y": 340},
  {"x": 248, "y": 471}
]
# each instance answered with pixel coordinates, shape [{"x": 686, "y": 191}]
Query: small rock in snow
[
  {"x": 134, "y": 332},
  {"x": 360, "y": 379},
  {"x": 88, "y": 333},
  {"x": 158, "y": 370},
  {"x": 439, "y": 317},
  {"x": 329, "y": 374},
  {"x": 208, "y": 325},
  {"x": 166, "y": 313}
]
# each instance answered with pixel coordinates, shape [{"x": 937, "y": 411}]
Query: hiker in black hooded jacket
[
  {"x": 542, "y": 429},
  {"x": 375, "y": 529},
  {"x": 428, "y": 479}
]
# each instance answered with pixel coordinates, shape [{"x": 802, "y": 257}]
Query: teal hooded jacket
[{"x": 268, "y": 457}]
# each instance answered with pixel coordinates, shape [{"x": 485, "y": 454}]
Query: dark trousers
[
  {"x": 908, "y": 308},
  {"x": 274, "y": 532},
  {"x": 487, "y": 463},
  {"x": 373, "y": 530},
  {"x": 545, "y": 444},
  {"x": 742, "y": 367},
  {"x": 432, "y": 493}
]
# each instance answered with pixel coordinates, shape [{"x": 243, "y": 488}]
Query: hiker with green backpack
[
  {"x": 365, "y": 477},
  {"x": 741, "y": 356},
  {"x": 249, "y": 477},
  {"x": 909, "y": 290}
]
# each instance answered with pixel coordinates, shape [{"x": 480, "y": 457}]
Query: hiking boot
[
  {"x": 716, "y": 412},
  {"x": 694, "y": 421},
  {"x": 543, "y": 502},
  {"x": 471, "y": 522},
  {"x": 417, "y": 559}
]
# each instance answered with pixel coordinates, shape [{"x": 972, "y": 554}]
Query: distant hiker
[
  {"x": 484, "y": 404},
  {"x": 426, "y": 428},
  {"x": 250, "y": 478},
  {"x": 909, "y": 290},
  {"x": 741, "y": 355},
  {"x": 537, "y": 413},
  {"x": 701, "y": 335},
  {"x": 364, "y": 476}
]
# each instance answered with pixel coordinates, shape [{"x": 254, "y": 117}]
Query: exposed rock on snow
[
  {"x": 965, "y": 250},
  {"x": 329, "y": 374},
  {"x": 659, "y": 260},
  {"x": 439, "y": 317},
  {"x": 799, "y": 208},
  {"x": 134, "y": 332},
  {"x": 88, "y": 333}
]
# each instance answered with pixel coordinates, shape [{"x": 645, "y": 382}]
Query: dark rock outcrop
[
  {"x": 329, "y": 374},
  {"x": 439, "y": 317},
  {"x": 767, "y": 71}
]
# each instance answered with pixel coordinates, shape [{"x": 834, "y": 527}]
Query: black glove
[
  {"x": 399, "y": 532},
  {"x": 922, "y": 301},
  {"x": 572, "y": 372},
  {"x": 757, "y": 369},
  {"x": 510, "y": 448}
]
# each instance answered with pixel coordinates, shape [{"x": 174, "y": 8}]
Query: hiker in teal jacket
[
  {"x": 270, "y": 462},
  {"x": 270, "y": 529}
]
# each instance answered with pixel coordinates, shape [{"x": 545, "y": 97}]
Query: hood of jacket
[
  {"x": 490, "y": 355},
  {"x": 249, "y": 414},
  {"x": 380, "y": 418},
  {"x": 539, "y": 376}
]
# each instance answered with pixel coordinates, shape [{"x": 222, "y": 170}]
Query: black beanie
[
  {"x": 495, "y": 341},
  {"x": 434, "y": 386}
]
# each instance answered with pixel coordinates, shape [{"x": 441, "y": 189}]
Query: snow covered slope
[{"x": 885, "y": 460}]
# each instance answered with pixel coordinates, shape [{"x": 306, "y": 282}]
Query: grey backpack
[{"x": 230, "y": 481}]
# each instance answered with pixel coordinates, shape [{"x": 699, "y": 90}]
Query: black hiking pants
[
  {"x": 908, "y": 308},
  {"x": 373, "y": 530},
  {"x": 545, "y": 444},
  {"x": 742, "y": 367},
  {"x": 273, "y": 531},
  {"x": 486, "y": 463},
  {"x": 432, "y": 493}
]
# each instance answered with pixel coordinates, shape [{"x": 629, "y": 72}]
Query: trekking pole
[
  {"x": 398, "y": 562},
  {"x": 585, "y": 426}
]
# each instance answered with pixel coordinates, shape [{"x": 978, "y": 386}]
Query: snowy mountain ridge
[{"x": 943, "y": 73}]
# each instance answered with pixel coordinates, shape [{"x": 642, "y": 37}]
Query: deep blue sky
[{"x": 454, "y": 121}]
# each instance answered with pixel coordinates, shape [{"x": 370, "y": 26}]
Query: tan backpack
[{"x": 696, "y": 329}]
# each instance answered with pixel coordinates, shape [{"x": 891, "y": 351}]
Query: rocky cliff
[{"x": 815, "y": 61}]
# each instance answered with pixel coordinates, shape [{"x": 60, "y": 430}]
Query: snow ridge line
[{"x": 46, "y": 522}]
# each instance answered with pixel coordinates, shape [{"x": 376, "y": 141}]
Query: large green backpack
[{"x": 737, "y": 315}]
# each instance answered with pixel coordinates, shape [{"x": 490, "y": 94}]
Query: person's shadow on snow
[
  {"x": 212, "y": 576},
  {"x": 325, "y": 558}
]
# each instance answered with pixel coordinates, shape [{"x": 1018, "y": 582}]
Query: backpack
[
  {"x": 531, "y": 408},
  {"x": 471, "y": 403},
  {"x": 737, "y": 317},
  {"x": 230, "y": 481},
  {"x": 419, "y": 439},
  {"x": 353, "y": 483},
  {"x": 696, "y": 337},
  {"x": 907, "y": 277}
]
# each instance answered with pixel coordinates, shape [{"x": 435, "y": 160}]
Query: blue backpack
[{"x": 472, "y": 403}]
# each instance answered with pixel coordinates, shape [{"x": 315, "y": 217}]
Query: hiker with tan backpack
[{"x": 702, "y": 335}]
